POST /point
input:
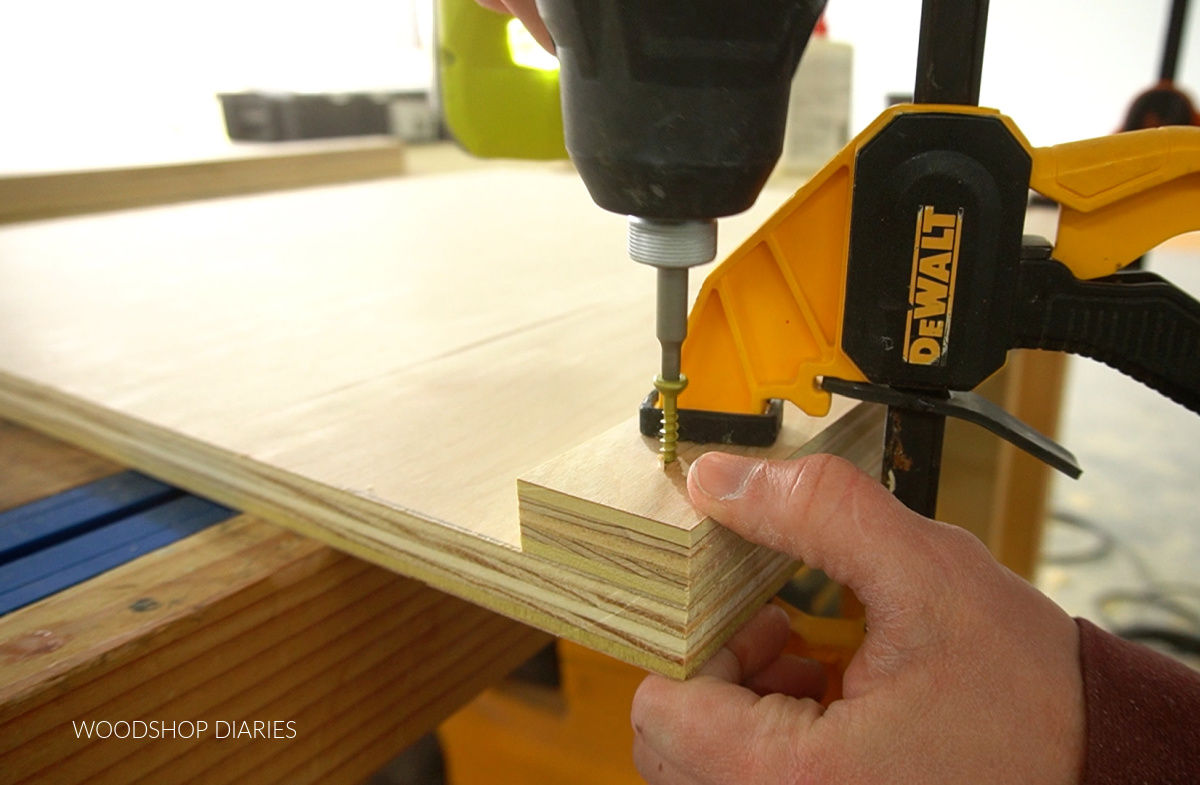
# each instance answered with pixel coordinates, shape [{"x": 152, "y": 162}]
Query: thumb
[
  {"x": 827, "y": 513},
  {"x": 527, "y": 12}
]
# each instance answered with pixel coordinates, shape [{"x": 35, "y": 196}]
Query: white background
[{"x": 82, "y": 76}]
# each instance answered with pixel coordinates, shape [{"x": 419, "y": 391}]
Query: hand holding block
[{"x": 614, "y": 521}]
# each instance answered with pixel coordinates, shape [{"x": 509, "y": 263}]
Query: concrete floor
[{"x": 1141, "y": 484}]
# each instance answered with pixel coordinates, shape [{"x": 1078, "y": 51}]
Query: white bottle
[{"x": 818, "y": 123}]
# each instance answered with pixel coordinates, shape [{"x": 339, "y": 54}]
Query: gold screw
[{"x": 669, "y": 391}]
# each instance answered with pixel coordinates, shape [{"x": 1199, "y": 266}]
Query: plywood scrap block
[{"x": 606, "y": 514}]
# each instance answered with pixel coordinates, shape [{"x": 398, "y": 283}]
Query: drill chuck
[
  {"x": 674, "y": 114},
  {"x": 672, "y": 247},
  {"x": 672, "y": 243}
]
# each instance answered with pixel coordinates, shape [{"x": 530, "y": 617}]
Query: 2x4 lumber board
[
  {"x": 141, "y": 688},
  {"x": 92, "y": 760},
  {"x": 69, "y": 651},
  {"x": 326, "y": 663},
  {"x": 331, "y": 712},
  {"x": 34, "y": 466},
  {"x": 614, "y": 486},
  {"x": 282, "y": 647},
  {"x": 243, "y": 169},
  {"x": 372, "y": 365},
  {"x": 369, "y": 719},
  {"x": 147, "y": 640}
]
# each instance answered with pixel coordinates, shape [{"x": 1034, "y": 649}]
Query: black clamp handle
[{"x": 1137, "y": 322}]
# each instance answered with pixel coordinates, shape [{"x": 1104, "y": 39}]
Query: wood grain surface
[
  {"x": 607, "y": 511},
  {"x": 242, "y": 621},
  {"x": 373, "y": 365},
  {"x": 33, "y": 466}
]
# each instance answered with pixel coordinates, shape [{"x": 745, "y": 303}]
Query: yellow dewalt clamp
[{"x": 900, "y": 274}]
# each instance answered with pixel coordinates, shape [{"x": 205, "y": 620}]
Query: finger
[
  {"x": 527, "y": 12},
  {"x": 820, "y": 509},
  {"x": 752, "y": 648},
  {"x": 735, "y": 735},
  {"x": 654, "y": 768},
  {"x": 791, "y": 675}
]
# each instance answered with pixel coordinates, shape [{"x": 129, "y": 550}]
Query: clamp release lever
[{"x": 968, "y": 406}]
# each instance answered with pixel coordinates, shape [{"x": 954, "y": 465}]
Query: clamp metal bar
[
  {"x": 1170, "y": 61},
  {"x": 949, "y": 71}
]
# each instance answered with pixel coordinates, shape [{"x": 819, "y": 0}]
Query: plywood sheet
[
  {"x": 63, "y": 183},
  {"x": 373, "y": 365}
]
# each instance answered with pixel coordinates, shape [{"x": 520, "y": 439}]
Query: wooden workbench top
[{"x": 241, "y": 621}]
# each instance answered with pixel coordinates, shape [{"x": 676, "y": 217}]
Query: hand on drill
[
  {"x": 967, "y": 674},
  {"x": 526, "y": 11}
]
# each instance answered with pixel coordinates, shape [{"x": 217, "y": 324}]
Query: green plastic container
[{"x": 499, "y": 89}]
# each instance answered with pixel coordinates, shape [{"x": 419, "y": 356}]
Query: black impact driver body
[
  {"x": 675, "y": 109},
  {"x": 674, "y": 113}
]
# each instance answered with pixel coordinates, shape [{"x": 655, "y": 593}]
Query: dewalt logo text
[{"x": 931, "y": 288}]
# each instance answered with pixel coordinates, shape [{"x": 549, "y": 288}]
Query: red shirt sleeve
[{"x": 1143, "y": 713}]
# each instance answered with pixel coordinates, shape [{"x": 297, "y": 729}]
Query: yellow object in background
[
  {"x": 818, "y": 120},
  {"x": 578, "y": 734},
  {"x": 498, "y": 87}
]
